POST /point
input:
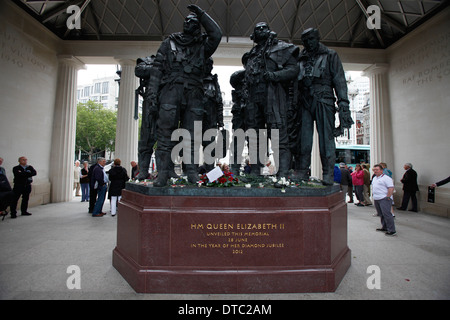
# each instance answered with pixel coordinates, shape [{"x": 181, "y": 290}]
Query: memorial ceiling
[{"x": 341, "y": 23}]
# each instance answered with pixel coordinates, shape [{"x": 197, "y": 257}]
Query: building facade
[
  {"x": 358, "y": 90},
  {"x": 102, "y": 90}
]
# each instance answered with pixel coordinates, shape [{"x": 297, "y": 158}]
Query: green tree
[{"x": 96, "y": 128}]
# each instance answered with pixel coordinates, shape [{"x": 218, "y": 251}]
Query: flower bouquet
[{"x": 227, "y": 180}]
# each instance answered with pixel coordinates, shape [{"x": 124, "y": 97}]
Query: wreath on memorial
[
  {"x": 247, "y": 181},
  {"x": 227, "y": 180}
]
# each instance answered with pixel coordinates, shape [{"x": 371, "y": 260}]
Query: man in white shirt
[{"x": 382, "y": 190}]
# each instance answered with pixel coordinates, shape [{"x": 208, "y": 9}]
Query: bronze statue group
[{"x": 281, "y": 91}]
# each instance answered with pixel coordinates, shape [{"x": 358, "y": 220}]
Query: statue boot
[
  {"x": 328, "y": 179},
  {"x": 302, "y": 175},
  {"x": 192, "y": 173},
  {"x": 142, "y": 174},
  {"x": 257, "y": 169},
  {"x": 163, "y": 170},
  {"x": 284, "y": 164},
  {"x": 172, "y": 173},
  {"x": 144, "y": 164},
  {"x": 283, "y": 169},
  {"x": 161, "y": 181},
  {"x": 328, "y": 171}
]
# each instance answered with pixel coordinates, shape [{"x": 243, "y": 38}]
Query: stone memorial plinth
[{"x": 232, "y": 240}]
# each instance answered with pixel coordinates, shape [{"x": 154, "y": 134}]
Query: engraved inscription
[
  {"x": 427, "y": 64},
  {"x": 15, "y": 51},
  {"x": 237, "y": 237}
]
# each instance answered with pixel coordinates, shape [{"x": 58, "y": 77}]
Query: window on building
[
  {"x": 105, "y": 88},
  {"x": 87, "y": 91},
  {"x": 97, "y": 87}
]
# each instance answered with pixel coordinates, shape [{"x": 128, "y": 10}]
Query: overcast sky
[{"x": 95, "y": 71}]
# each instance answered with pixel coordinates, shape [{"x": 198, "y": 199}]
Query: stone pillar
[
  {"x": 381, "y": 147},
  {"x": 64, "y": 129},
  {"x": 127, "y": 126}
]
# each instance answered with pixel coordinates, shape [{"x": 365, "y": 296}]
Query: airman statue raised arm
[{"x": 180, "y": 63}]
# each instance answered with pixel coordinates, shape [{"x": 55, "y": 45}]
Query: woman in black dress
[{"x": 118, "y": 177}]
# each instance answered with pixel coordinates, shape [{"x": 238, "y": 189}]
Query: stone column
[
  {"x": 381, "y": 147},
  {"x": 64, "y": 129},
  {"x": 127, "y": 126}
]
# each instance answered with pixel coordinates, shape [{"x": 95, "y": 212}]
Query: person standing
[
  {"x": 118, "y": 176},
  {"x": 2, "y": 170},
  {"x": 366, "y": 186},
  {"x": 337, "y": 175},
  {"x": 84, "y": 182},
  {"x": 346, "y": 179},
  {"x": 134, "y": 169},
  {"x": 100, "y": 183},
  {"x": 358, "y": 182},
  {"x": 247, "y": 167},
  {"x": 410, "y": 187},
  {"x": 76, "y": 178},
  {"x": 382, "y": 190},
  {"x": 350, "y": 184},
  {"x": 388, "y": 172},
  {"x": 23, "y": 178},
  {"x": 92, "y": 190},
  {"x": 6, "y": 193}
]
